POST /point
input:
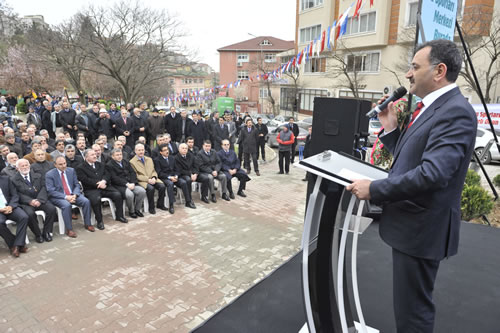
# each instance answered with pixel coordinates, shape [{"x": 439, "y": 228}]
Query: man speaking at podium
[{"x": 421, "y": 196}]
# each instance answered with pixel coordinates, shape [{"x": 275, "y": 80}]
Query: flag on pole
[
  {"x": 322, "y": 41},
  {"x": 357, "y": 8}
]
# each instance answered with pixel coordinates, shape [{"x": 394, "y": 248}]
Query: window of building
[
  {"x": 315, "y": 65},
  {"x": 310, "y": 33},
  {"x": 306, "y": 4},
  {"x": 373, "y": 96},
  {"x": 242, "y": 57},
  {"x": 269, "y": 57},
  {"x": 368, "y": 62},
  {"x": 307, "y": 97},
  {"x": 242, "y": 75},
  {"x": 263, "y": 93},
  {"x": 265, "y": 42},
  {"x": 365, "y": 23}
]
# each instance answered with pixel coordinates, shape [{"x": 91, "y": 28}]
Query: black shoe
[
  {"x": 214, "y": 199},
  {"x": 162, "y": 207},
  {"x": 304, "y": 179},
  {"x": 171, "y": 209},
  {"x": 257, "y": 173},
  {"x": 231, "y": 195},
  {"x": 100, "y": 225},
  {"x": 133, "y": 215},
  {"x": 47, "y": 237},
  {"x": 225, "y": 197},
  {"x": 39, "y": 239},
  {"x": 249, "y": 171},
  {"x": 280, "y": 173},
  {"x": 122, "y": 219},
  {"x": 286, "y": 172},
  {"x": 152, "y": 211},
  {"x": 190, "y": 204},
  {"x": 205, "y": 200},
  {"x": 242, "y": 194},
  {"x": 138, "y": 213}
]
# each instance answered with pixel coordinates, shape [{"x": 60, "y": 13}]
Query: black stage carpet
[{"x": 467, "y": 292}]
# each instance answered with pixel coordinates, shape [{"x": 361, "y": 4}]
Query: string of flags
[{"x": 325, "y": 41}]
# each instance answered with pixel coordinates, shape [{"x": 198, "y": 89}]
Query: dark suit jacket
[
  {"x": 43, "y": 167},
  {"x": 172, "y": 149},
  {"x": 121, "y": 176},
  {"x": 67, "y": 118},
  {"x": 294, "y": 129},
  {"x": 9, "y": 191},
  {"x": 3, "y": 163},
  {"x": 104, "y": 126},
  {"x": 207, "y": 164},
  {"x": 26, "y": 192},
  {"x": 421, "y": 196},
  {"x": 54, "y": 184},
  {"x": 122, "y": 127},
  {"x": 75, "y": 162},
  {"x": 198, "y": 132},
  {"x": 83, "y": 126},
  {"x": 248, "y": 140},
  {"x": 89, "y": 176},
  {"x": 165, "y": 169},
  {"x": 186, "y": 166},
  {"x": 219, "y": 134},
  {"x": 186, "y": 126},
  {"x": 172, "y": 126}
]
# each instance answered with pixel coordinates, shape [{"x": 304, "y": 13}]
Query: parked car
[
  {"x": 483, "y": 136},
  {"x": 308, "y": 120},
  {"x": 273, "y": 134},
  {"x": 374, "y": 127}
]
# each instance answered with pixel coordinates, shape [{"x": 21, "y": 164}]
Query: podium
[{"x": 330, "y": 217}]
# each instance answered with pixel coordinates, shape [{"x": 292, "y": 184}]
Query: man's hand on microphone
[{"x": 388, "y": 117}]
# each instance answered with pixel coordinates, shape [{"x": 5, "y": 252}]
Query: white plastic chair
[{"x": 61, "y": 220}]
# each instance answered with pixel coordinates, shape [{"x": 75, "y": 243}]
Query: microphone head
[{"x": 400, "y": 92}]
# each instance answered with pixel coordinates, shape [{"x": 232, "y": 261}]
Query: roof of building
[{"x": 258, "y": 43}]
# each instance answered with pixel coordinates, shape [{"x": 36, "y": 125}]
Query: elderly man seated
[
  {"x": 148, "y": 178},
  {"x": 35, "y": 145},
  {"x": 33, "y": 196},
  {"x": 41, "y": 165},
  {"x": 64, "y": 190},
  {"x": 10, "y": 210},
  {"x": 10, "y": 170}
]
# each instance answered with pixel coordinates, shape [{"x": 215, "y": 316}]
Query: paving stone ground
[{"x": 163, "y": 272}]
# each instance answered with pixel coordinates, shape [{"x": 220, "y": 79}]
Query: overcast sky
[{"x": 211, "y": 24}]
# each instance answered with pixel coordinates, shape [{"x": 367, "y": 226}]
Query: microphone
[{"x": 397, "y": 94}]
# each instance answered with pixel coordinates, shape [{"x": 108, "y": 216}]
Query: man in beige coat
[{"x": 148, "y": 178}]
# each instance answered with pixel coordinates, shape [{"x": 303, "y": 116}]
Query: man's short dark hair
[
  {"x": 291, "y": 118},
  {"x": 189, "y": 138},
  {"x": 160, "y": 147},
  {"x": 446, "y": 52},
  {"x": 207, "y": 142},
  {"x": 259, "y": 118}
]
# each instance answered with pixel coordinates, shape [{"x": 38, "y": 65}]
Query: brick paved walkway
[{"x": 163, "y": 272}]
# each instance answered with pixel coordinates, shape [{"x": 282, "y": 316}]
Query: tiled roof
[{"x": 275, "y": 44}]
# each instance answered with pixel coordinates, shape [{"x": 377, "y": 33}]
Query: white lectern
[{"x": 329, "y": 215}]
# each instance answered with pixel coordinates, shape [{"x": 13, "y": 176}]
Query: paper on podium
[{"x": 341, "y": 168}]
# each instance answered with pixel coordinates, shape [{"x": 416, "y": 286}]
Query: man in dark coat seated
[
  {"x": 33, "y": 196},
  {"x": 209, "y": 165},
  {"x": 72, "y": 160},
  {"x": 186, "y": 169},
  {"x": 231, "y": 167},
  {"x": 165, "y": 167},
  {"x": 96, "y": 184}
]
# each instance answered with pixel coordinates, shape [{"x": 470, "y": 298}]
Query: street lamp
[{"x": 261, "y": 98}]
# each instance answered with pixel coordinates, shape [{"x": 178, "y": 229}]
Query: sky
[{"x": 210, "y": 24}]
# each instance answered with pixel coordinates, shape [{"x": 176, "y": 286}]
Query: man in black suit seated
[
  {"x": 119, "y": 145},
  {"x": 124, "y": 179},
  {"x": 10, "y": 210},
  {"x": 186, "y": 169},
  {"x": 160, "y": 140},
  {"x": 10, "y": 170},
  {"x": 96, "y": 184},
  {"x": 72, "y": 160},
  {"x": 231, "y": 167},
  {"x": 80, "y": 147},
  {"x": 97, "y": 148},
  {"x": 209, "y": 165},
  {"x": 33, "y": 196},
  {"x": 4, "y": 151},
  {"x": 192, "y": 149},
  {"x": 165, "y": 167},
  {"x": 126, "y": 148}
]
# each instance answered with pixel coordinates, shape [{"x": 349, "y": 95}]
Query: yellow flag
[{"x": 34, "y": 95}]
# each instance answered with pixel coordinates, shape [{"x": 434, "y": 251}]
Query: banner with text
[{"x": 438, "y": 19}]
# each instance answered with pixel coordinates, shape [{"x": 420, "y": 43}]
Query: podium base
[{"x": 357, "y": 325}]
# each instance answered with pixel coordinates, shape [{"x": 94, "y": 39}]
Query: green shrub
[
  {"x": 475, "y": 202},
  {"x": 472, "y": 178},
  {"x": 496, "y": 180},
  {"x": 21, "y": 107}
]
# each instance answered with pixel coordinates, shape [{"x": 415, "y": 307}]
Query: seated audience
[
  {"x": 35, "y": 145},
  {"x": 41, "y": 165},
  {"x": 4, "y": 151},
  {"x": 64, "y": 190},
  {"x": 148, "y": 178},
  {"x": 33, "y": 196},
  {"x": 165, "y": 167},
  {"x": 96, "y": 184},
  {"x": 10, "y": 210},
  {"x": 231, "y": 167},
  {"x": 209, "y": 165},
  {"x": 72, "y": 160},
  {"x": 10, "y": 170},
  {"x": 186, "y": 169},
  {"x": 60, "y": 145},
  {"x": 192, "y": 149},
  {"x": 14, "y": 147},
  {"x": 124, "y": 179}
]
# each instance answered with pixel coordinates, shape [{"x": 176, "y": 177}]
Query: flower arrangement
[{"x": 379, "y": 155}]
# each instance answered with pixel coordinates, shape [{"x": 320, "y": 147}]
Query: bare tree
[
  {"x": 263, "y": 68},
  {"x": 483, "y": 43},
  {"x": 134, "y": 45},
  {"x": 344, "y": 68},
  {"x": 293, "y": 75}
]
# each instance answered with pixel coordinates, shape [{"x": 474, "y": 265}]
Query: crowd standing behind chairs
[{"x": 66, "y": 158}]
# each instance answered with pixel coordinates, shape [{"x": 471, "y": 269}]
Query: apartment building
[
  {"x": 246, "y": 60},
  {"x": 373, "y": 56}
]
